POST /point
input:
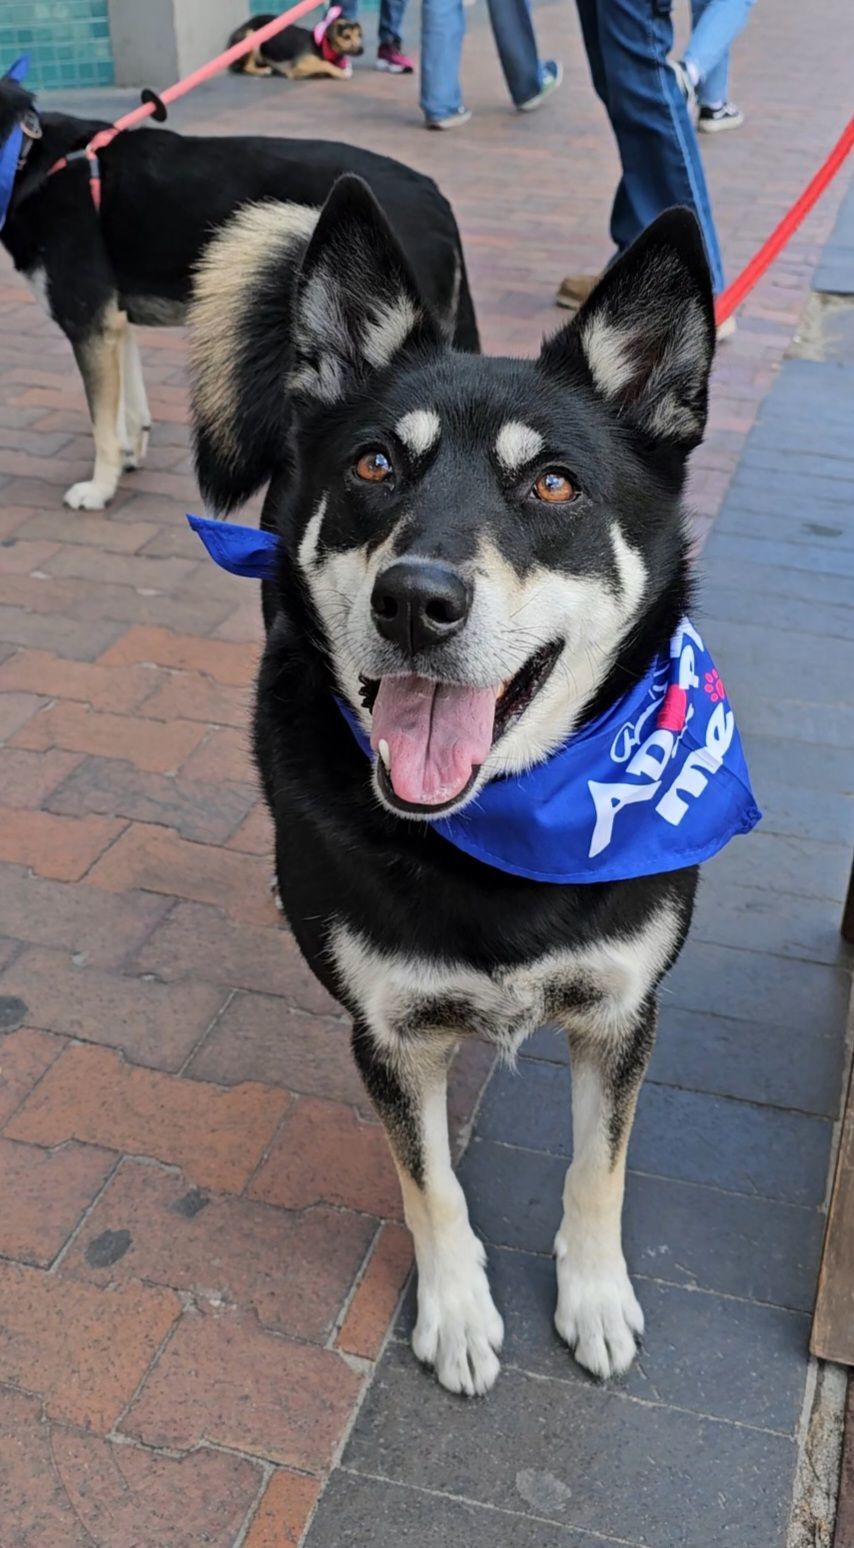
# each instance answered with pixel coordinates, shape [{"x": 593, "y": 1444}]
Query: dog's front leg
[
  {"x": 99, "y": 357},
  {"x": 458, "y": 1330},
  {"x": 597, "y": 1310}
]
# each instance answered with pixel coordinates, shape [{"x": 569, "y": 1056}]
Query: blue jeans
[
  {"x": 628, "y": 43},
  {"x": 391, "y": 17},
  {"x": 443, "y": 28},
  {"x": 513, "y": 29},
  {"x": 715, "y": 24}
]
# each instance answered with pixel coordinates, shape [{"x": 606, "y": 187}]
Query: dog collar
[
  {"x": 658, "y": 782},
  {"x": 12, "y": 150}
]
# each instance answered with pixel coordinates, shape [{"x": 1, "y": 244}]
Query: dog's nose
[{"x": 417, "y": 605}]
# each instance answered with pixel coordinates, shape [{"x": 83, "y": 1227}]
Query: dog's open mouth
[{"x": 431, "y": 738}]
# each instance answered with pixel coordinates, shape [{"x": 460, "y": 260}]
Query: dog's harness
[
  {"x": 17, "y": 147},
  {"x": 656, "y": 783}
]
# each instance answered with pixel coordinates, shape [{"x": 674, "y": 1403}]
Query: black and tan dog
[
  {"x": 479, "y": 560},
  {"x": 163, "y": 196},
  {"x": 302, "y": 52}
]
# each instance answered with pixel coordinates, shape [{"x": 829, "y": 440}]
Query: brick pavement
[{"x": 202, "y": 1253}]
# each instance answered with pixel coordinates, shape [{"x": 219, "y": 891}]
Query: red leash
[
  {"x": 735, "y": 293},
  {"x": 153, "y": 104}
]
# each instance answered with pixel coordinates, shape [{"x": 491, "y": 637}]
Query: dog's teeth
[{"x": 384, "y": 753}]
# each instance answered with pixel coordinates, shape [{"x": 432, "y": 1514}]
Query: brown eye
[
  {"x": 374, "y": 467},
  {"x": 554, "y": 487}
]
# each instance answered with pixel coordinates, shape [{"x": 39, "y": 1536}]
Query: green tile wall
[{"x": 68, "y": 41}]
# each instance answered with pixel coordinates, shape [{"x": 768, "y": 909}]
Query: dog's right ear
[
  {"x": 357, "y": 303},
  {"x": 15, "y": 103}
]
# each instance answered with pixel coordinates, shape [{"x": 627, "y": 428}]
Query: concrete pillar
[{"x": 155, "y": 42}]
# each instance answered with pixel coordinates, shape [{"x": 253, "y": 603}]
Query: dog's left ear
[
  {"x": 647, "y": 333},
  {"x": 357, "y": 303}
]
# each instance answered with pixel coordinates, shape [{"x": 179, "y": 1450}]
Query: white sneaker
[{"x": 453, "y": 121}]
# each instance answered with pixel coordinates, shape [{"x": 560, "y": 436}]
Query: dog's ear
[
  {"x": 357, "y": 303},
  {"x": 647, "y": 333},
  {"x": 15, "y": 103}
]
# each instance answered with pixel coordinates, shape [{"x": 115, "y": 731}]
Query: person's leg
[
  {"x": 513, "y": 29},
  {"x": 715, "y": 24},
  {"x": 391, "y": 20},
  {"x": 443, "y": 26},
  {"x": 658, "y": 146}
]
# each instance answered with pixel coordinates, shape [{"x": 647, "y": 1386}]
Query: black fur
[
  {"x": 343, "y": 858},
  {"x": 164, "y": 195}
]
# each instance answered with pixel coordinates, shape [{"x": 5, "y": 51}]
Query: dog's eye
[
  {"x": 374, "y": 467},
  {"x": 554, "y": 487}
]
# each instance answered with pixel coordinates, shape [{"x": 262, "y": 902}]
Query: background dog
[
  {"x": 163, "y": 195},
  {"x": 301, "y": 52},
  {"x": 479, "y": 555}
]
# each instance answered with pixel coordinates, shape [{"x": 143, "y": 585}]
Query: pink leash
[{"x": 154, "y": 105}]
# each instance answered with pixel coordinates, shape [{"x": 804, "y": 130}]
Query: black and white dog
[
  {"x": 162, "y": 195},
  {"x": 478, "y": 556}
]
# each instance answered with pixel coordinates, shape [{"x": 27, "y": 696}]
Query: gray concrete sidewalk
[{"x": 700, "y": 1445}]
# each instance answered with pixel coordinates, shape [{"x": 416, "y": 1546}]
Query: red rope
[{"x": 735, "y": 293}]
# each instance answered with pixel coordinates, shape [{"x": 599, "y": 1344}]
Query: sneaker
[
  {"x": 684, "y": 82},
  {"x": 453, "y": 121},
  {"x": 574, "y": 290},
  {"x": 551, "y": 78},
  {"x": 725, "y": 115},
  {"x": 390, "y": 59}
]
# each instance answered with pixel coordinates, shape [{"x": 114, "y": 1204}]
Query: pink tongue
[{"x": 436, "y": 734}]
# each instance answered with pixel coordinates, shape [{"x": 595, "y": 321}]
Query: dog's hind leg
[
  {"x": 134, "y": 413},
  {"x": 99, "y": 357},
  {"x": 458, "y": 1330},
  {"x": 597, "y": 1311}
]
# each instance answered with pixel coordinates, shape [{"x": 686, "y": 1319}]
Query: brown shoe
[{"x": 574, "y": 290}]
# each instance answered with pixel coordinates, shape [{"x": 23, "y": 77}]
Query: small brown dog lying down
[{"x": 300, "y": 52}]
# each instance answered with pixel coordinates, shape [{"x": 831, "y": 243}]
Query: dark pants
[{"x": 628, "y": 43}]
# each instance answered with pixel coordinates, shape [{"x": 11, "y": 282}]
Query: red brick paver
[{"x": 202, "y": 1214}]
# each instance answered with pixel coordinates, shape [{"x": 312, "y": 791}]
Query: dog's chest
[{"x": 595, "y": 988}]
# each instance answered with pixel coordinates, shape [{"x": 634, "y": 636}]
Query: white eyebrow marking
[
  {"x": 517, "y": 444},
  {"x": 419, "y": 430}
]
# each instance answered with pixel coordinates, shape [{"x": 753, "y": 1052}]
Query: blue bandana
[
  {"x": 10, "y": 150},
  {"x": 657, "y": 782}
]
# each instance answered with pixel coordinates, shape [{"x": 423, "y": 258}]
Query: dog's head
[
  {"x": 478, "y": 536},
  {"x": 345, "y": 37}
]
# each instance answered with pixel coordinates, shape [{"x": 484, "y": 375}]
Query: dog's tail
[
  {"x": 15, "y": 101},
  {"x": 240, "y": 325},
  {"x": 239, "y": 33}
]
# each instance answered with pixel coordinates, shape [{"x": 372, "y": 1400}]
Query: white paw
[
  {"x": 459, "y": 1329},
  {"x": 277, "y": 896},
  {"x": 88, "y": 496},
  {"x": 597, "y": 1313}
]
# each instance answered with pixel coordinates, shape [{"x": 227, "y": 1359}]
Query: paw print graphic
[{"x": 714, "y": 686}]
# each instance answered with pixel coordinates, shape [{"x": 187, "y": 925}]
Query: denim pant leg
[
  {"x": 443, "y": 26},
  {"x": 391, "y": 20},
  {"x": 715, "y": 24},
  {"x": 513, "y": 29},
  {"x": 391, "y": 17},
  {"x": 631, "y": 41}
]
